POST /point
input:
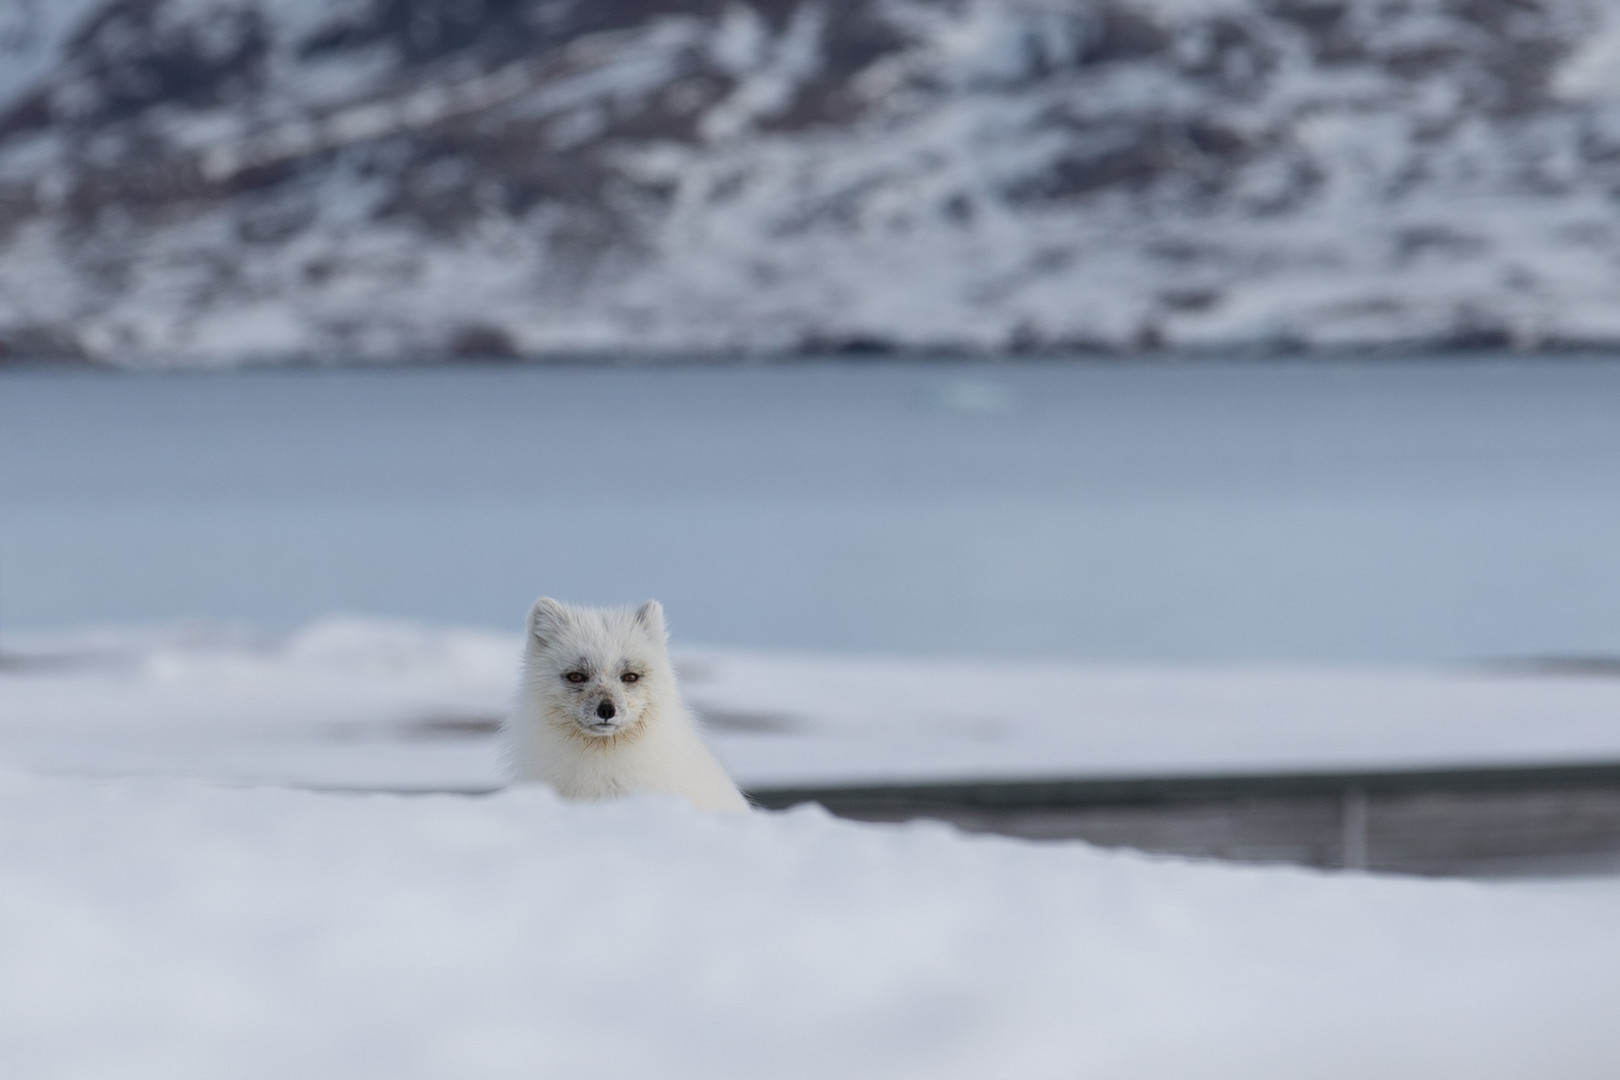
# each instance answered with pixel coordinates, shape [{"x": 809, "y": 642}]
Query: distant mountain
[{"x": 211, "y": 181}]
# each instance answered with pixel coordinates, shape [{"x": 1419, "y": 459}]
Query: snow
[
  {"x": 876, "y": 719},
  {"x": 197, "y": 918},
  {"x": 356, "y": 703},
  {"x": 32, "y": 35},
  {"x": 162, "y": 929},
  {"x": 343, "y": 703}
]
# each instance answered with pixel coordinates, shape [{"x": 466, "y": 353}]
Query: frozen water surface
[{"x": 1207, "y": 511}]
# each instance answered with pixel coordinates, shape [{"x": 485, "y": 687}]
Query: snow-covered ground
[
  {"x": 356, "y": 703},
  {"x": 193, "y": 917},
  {"x": 173, "y": 931}
]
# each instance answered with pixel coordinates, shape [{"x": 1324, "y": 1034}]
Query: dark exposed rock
[
  {"x": 38, "y": 344},
  {"x": 124, "y": 61},
  {"x": 477, "y": 341},
  {"x": 1132, "y": 153}
]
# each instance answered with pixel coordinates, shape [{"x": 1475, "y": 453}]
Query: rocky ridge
[{"x": 215, "y": 181}]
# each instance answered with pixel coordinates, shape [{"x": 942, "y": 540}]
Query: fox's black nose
[{"x": 606, "y": 710}]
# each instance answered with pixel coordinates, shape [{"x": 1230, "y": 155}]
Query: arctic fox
[{"x": 598, "y": 713}]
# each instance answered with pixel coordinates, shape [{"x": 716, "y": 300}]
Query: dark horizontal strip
[{"x": 1054, "y": 793}]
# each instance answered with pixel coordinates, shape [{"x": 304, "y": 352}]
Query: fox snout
[{"x": 604, "y": 716}]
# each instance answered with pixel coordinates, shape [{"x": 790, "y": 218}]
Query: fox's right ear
[
  {"x": 547, "y": 619},
  {"x": 651, "y": 615}
]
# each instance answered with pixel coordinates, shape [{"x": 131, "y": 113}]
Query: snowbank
[
  {"x": 159, "y": 929},
  {"x": 164, "y": 928}
]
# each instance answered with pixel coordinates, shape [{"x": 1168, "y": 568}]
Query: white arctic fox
[{"x": 598, "y": 713}]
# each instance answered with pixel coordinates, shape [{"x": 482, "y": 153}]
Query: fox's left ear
[{"x": 651, "y": 615}]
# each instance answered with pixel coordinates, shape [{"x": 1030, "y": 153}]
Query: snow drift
[
  {"x": 157, "y": 929},
  {"x": 182, "y": 929}
]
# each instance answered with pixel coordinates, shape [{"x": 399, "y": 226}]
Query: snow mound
[{"x": 158, "y": 929}]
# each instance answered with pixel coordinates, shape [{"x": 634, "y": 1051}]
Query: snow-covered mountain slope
[{"x": 214, "y": 180}]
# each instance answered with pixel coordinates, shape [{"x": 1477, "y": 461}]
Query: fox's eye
[
  {"x": 575, "y": 676},
  {"x": 629, "y": 676}
]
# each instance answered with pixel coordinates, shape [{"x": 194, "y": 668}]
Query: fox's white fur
[{"x": 599, "y": 714}]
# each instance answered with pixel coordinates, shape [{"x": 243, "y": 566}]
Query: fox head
[{"x": 598, "y": 673}]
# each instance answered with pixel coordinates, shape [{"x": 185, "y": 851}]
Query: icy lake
[{"x": 1198, "y": 511}]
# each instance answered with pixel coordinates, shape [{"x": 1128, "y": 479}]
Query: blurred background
[{"x": 1129, "y": 330}]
